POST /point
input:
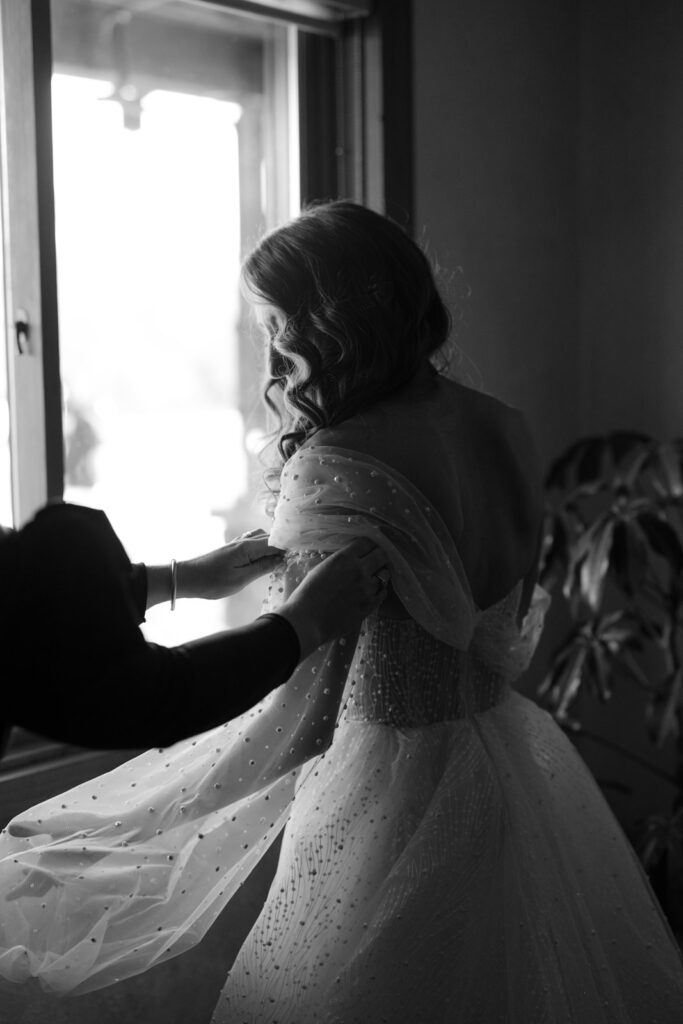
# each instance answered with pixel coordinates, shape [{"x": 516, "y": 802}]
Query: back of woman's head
[{"x": 356, "y": 312}]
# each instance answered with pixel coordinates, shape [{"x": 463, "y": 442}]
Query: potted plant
[{"x": 613, "y": 552}]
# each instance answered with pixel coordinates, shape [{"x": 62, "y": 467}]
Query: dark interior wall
[
  {"x": 549, "y": 165},
  {"x": 631, "y": 284},
  {"x": 496, "y": 130},
  {"x": 631, "y": 162}
]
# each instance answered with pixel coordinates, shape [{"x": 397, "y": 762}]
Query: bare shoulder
[
  {"x": 491, "y": 425},
  {"x": 484, "y": 408},
  {"x": 473, "y": 457},
  {"x": 473, "y": 427}
]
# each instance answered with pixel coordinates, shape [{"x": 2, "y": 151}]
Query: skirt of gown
[{"x": 465, "y": 871}]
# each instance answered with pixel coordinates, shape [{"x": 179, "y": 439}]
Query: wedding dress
[{"x": 446, "y": 855}]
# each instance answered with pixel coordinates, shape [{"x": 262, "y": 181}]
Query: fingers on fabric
[
  {"x": 259, "y": 532},
  {"x": 256, "y": 550},
  {"x": 248, "y": 538},
  {"x": 371, "y": 556},
  {"x": 267, "y": 562},
  {"x": 257, "y": 547}
]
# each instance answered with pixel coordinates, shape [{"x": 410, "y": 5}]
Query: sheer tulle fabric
[
  {"x": 463, "y": 872},
  {"x": 446, "y": 855},
  {"x": 122, "y": 872}
]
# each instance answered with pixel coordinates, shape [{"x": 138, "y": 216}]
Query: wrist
[
  {"x": 159, "y": 584},
  {"x": 186, "y": 584}
]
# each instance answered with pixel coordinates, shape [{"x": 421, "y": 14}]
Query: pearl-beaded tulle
[
  {"x": 443, "y": 863},
  {"x": 446, "y": 854}
]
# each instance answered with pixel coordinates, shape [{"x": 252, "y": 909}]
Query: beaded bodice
[{"x": 403, "y": 676}]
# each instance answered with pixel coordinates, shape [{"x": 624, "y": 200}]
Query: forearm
[
  {"x": 163, "y": 583},
  {"x": 181, "y": 691},
  {"x": 167, "y": 582},
  {"x": 232, "y": 671}
]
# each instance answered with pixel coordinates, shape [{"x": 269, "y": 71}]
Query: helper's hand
[
  {"x": 218, "y": 573},
  {"x": 337, "y": 594},
  {"x": 227, "y": 570}
]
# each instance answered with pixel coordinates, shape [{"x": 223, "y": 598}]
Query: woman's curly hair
[{"x": 357, "y": 311}]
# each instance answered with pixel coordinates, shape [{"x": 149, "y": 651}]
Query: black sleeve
[
  {"x": 76, "y": 666},
  {"x": 137, "y": 581},
  {"x": 175, "y": 692}
]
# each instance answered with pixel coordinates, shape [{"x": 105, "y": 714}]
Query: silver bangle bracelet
[{"x": 174, "y": 583}]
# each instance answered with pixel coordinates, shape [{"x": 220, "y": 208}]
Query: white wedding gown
[{"x": 447, "y": 856}]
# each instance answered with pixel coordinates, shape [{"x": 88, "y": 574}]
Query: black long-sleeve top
[{"x": 75, "y": 665}]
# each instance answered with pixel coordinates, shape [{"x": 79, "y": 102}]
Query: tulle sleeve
[{"x": 331, "y": 495}]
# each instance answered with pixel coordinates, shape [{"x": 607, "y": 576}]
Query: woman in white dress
[{"x": 446, "y": 855}]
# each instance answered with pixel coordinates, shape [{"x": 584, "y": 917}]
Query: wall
[
  {"x": 549, "y": 165},
  {"x": 496, "y": 106},
  {"x": 631, "y": 277},
  {"x": 631, "y": 164}
]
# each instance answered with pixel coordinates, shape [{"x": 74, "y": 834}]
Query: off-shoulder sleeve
[{"x": 331, "y": 495}]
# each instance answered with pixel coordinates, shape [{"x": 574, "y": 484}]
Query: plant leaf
[
  {"x": 663, "y": 539},
  {"x": 600, "y": 665},
  {"x": 622, "y": 444},
  {"x": 594, "y": 566},
  {"x": 670, "y": 459},
  {"x": 568, "y": 685},
  {"x": 662, "y": 711},
  {"x": 561, "y": 468},
  {"x": 629, "y": 475},
  {"x": 637, "y": 556},
  {"x": 555, "y": 552},
  {"x": 658, "y": 834},
  {"x": 630, "y": 667}
]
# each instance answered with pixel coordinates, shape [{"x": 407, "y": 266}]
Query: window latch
[{"x": 21, "y": 331}]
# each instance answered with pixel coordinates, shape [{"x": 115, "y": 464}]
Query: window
[
  {"x": 174, "y": 137},
  {"x": 145, "y": 147}
]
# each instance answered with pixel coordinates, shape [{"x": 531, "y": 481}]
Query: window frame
[{"x": 29, "y": 262}]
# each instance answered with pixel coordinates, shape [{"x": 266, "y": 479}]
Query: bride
[{"x": 446, "y": 855}]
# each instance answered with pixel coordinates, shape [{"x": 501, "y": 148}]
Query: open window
[{"x": 146, "y": 144}]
